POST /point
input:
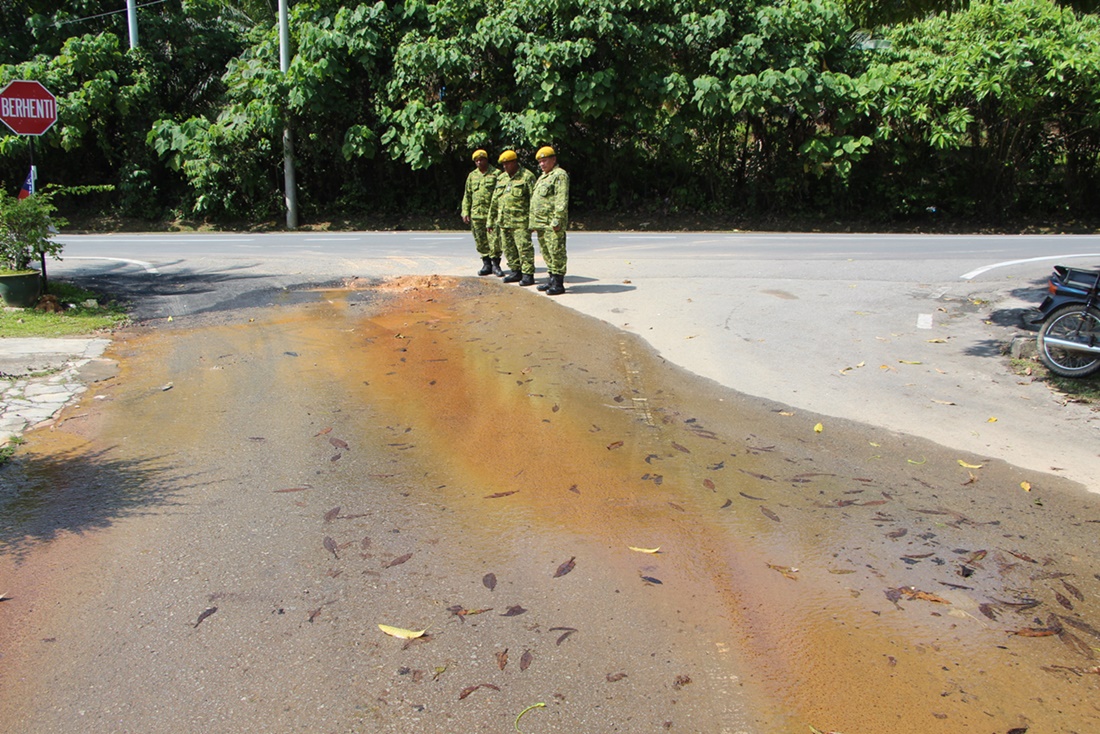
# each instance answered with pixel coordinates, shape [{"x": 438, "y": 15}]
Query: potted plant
[{"x": 27, "y": 228}]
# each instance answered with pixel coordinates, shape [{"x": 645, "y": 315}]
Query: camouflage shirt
[
  {"x": 550, "y": 201},
  {"x": 511, "y": 204},
  {"x": 478, "y": 193}
]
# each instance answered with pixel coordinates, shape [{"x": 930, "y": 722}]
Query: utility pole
[
  {"x": 290, "y": 186},
  {"x": 131, "y": 17}
]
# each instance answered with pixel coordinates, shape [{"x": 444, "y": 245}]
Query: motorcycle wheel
[{"x": 1070, "y": 323}]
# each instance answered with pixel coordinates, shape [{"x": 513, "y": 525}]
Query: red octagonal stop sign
[{"x": 27, "y": 107}]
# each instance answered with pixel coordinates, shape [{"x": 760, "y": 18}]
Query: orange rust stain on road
[{"x": 516, "y": 403}]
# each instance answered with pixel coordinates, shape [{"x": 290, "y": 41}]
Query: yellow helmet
[
  {"x": 479, "y": 154},
  {"x": 508, "y": 155},
  {"x": 545, "y": 152}
]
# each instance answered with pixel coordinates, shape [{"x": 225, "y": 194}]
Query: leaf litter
[{"x": 565, "y": 567}]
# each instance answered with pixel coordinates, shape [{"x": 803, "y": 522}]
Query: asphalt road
[{"x": 902, "y": 332}]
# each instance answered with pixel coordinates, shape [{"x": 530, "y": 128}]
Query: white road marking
[
  {"x": 985, "y": 269},
  {"x": 924, "y": 321},
  {"x": 435, "y": 239},
  {"x": 159, "y": 239},
  {"x": 148, "y": 267}
]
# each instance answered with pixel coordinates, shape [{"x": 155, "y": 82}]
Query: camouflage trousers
[
  {"x": 487, "y": 243},
  {"x": 552, "y": 247},
  {"x": 518, "y": 248}
]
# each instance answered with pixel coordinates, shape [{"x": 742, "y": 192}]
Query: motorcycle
[{"x": 1069, "y": 335}]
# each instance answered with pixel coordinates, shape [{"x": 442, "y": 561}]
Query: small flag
[{"x": 28, "y": 185}]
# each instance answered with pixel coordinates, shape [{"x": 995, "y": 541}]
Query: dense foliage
[{"x": 741, "y": 107}]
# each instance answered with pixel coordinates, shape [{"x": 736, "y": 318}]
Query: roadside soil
[{"x": 210, "y": 541}]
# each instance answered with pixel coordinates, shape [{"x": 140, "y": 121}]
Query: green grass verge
[
  {"x": 77, "y": 319},
  {"x": 1085, "y": 390},
  {"x": 8, "y": 450}
]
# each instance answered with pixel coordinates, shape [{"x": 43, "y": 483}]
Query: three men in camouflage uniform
[
  {"x": 509, "y": 213},
  {"x": 476, "y": 198}
]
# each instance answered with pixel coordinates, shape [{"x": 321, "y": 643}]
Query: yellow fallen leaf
[
  {"x": 992, "y": 419},
  {"x": 1026, "y": 486},
  {"x": 861, "y": 364},
  {"x": 538, "y": 705},
  {"x": 786, "y": 412},
  {"x": 907, "y": 361},
  {"x": 819, "y": 428},
  {"x": 936, "y": 341},
  {"x": 876, "y": 445},
  {"x": 402, "y": 633},
  {"x": 942, "y": 402},
  {"x": 922, "y": 460},
  {"x": 964, "y": 465},
  {"x": 645, "y": 550}
]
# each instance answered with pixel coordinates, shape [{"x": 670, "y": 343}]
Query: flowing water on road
[{"x": 477, "y": 461}]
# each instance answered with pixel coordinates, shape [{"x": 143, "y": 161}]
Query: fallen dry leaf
[
  {"x": 566, "y": 631},
  {"x": 489, "y": 580},
  {"x": 565, "y": 567},
  {"x": 398, "y": 561},
  {"x": 964, "y": 465},
  {"x": 403, "y": 634},
  {"x": 913, "y": 593},
  {"x": 645, "y": 550},
  {"x": 787, "y": 571}
]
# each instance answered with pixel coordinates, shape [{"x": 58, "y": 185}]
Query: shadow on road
[
  {"x": 189, "y": 291},
  {"x": 43, "y": 495}
]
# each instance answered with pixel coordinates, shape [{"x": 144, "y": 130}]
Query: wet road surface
[{"x": 210, "y": 541}]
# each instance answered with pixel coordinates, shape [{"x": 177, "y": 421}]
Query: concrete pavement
[{"x": 39, "y": 376}]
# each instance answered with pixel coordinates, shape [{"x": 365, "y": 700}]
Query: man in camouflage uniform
[
  {"x": 475, "y": 212},
  {"x": 550, "y": 217},
  {"x": 509, "y": 215}
]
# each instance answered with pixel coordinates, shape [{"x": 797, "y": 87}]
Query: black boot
[
  {"x": 486, "y": 266},
  {"x": 528, "y": 279},
  {"x": 496, "y": 267},
  {"x": 544, "y": 286},
  {"x": 557, "y": 285},
  {"x": 514, "y": 277}
]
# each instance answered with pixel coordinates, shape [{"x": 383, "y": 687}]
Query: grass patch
[
  {"x": 78, "y": 318},
  {"x": 8, "y": 450},
  {"x": 1085, "y": 390}
]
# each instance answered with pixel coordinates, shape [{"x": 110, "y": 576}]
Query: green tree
[{"x": 991, "y": 111}]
